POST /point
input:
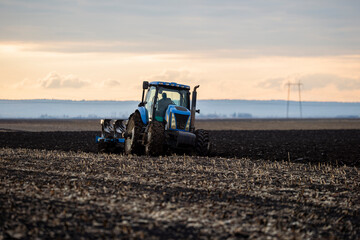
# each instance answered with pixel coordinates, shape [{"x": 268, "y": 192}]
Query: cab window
[
  {"x": 150, "y": 101},
  {"x": 170, "y": 96}
]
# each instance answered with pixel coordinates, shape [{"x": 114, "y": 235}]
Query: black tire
[
  {"x": 133, "y": 135},
  {"x": 202, "y": 145},
  {"x": 155, "y": 139}
]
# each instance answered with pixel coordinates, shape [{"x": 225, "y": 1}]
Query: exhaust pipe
[
  {"x": 145, "y": 86},
  {"x": 193, "y": 108}
]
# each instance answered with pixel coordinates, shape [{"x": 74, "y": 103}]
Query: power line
[{"x": 289, "y": 84}]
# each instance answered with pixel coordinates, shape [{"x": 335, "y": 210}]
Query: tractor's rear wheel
[
  {"x": 202, "y": 145},
  {"x": 133, "y": 135},
  {"x": 155, "y": 139}
]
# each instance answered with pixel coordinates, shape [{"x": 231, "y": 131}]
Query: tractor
[{"x": 163, "y": 121}]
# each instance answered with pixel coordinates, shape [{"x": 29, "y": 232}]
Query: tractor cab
[
  {"x": 168, "y": 103},
  {"x": 163, "y": 121}
]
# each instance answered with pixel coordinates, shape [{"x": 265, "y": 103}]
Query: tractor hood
[{"x": 177, "y": 118}]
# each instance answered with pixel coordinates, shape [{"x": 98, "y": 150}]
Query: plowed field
[
  {"x": 337, "y": 147},
  {"x": 256, "y": 184}
]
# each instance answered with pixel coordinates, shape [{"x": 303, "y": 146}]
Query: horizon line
[{"x": 224, "y": 99}]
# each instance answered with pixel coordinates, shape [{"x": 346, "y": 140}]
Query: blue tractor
[{"x": 163, "y": 121}]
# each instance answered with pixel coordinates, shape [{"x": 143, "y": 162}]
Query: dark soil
[
  {"x": 54, "y": 185},
  {"x": 337, "y": 147},
  {"x": 77, "y": 195}
]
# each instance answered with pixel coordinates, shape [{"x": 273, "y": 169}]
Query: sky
[{"x": 103, "y": 50}]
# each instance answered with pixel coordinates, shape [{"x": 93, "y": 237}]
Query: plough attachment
[
  {"x": 112, "y": 135},
  {"x": 119, "y": 128}
]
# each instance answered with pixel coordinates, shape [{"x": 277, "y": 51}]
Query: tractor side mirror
[
  {"x": 145, "y": 85},
  {"x": 142, "y": 104}
]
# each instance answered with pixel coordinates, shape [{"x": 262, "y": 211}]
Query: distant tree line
[{"x": 234, "y": 115}]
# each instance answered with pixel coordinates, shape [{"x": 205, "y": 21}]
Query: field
[{"x": 263, "y": 179}]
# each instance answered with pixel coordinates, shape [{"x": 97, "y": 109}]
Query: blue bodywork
[
  {"x": 143, "y": 114},
  {"x": 113, "y": 140},
  {"x": 170, "y": 84},
  {"x": 170, "y": 113}
]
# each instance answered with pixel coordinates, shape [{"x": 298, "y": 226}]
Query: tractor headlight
[
  {"x": 173, "y": 121},
  {"x": 187, "y": 128}
]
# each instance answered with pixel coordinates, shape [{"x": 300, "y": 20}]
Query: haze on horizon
[{"x": 103, "y": 50}]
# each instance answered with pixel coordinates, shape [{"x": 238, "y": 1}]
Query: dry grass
[{"x": 50, "y": 194}]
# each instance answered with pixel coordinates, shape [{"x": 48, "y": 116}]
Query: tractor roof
[{"x": 170, "y": 84}]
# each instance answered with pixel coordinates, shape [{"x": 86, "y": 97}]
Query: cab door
[{"x": 150, "y": 99}]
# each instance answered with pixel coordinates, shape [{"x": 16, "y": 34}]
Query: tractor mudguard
[
  {"x": 143, "y": 114},
  {"x": 185, "y": 139}
]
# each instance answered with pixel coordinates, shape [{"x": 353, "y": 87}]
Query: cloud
[
  {"x": 110, "y": 83},
  {"x": 55, "y": 80},
  {"x": 272, "y": 83},
  {"x": 283, "y": 26},
  {"x": 313, "y": 81},
  {"x": 180, "y": 76},
  {"x": 25, "y": 83}
]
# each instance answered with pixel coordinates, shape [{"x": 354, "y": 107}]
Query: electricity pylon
[{"x": 289, "y": 84}]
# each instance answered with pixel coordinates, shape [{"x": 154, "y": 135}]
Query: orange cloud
[
  {"x": 314, "y": 81},
  {"x": 55, "y": 80},
  {"x": 173, "y": 75}
]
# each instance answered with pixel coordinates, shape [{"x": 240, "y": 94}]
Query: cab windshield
[
  {"x": 169, "y": 96},
  {"x": 178, "y": 97}
]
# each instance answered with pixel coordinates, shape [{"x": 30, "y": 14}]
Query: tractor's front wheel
[
  {"x": 155, "y": 139},
  {"x": 133, "y": 135},
  {"x": 202, "y": 146}
]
